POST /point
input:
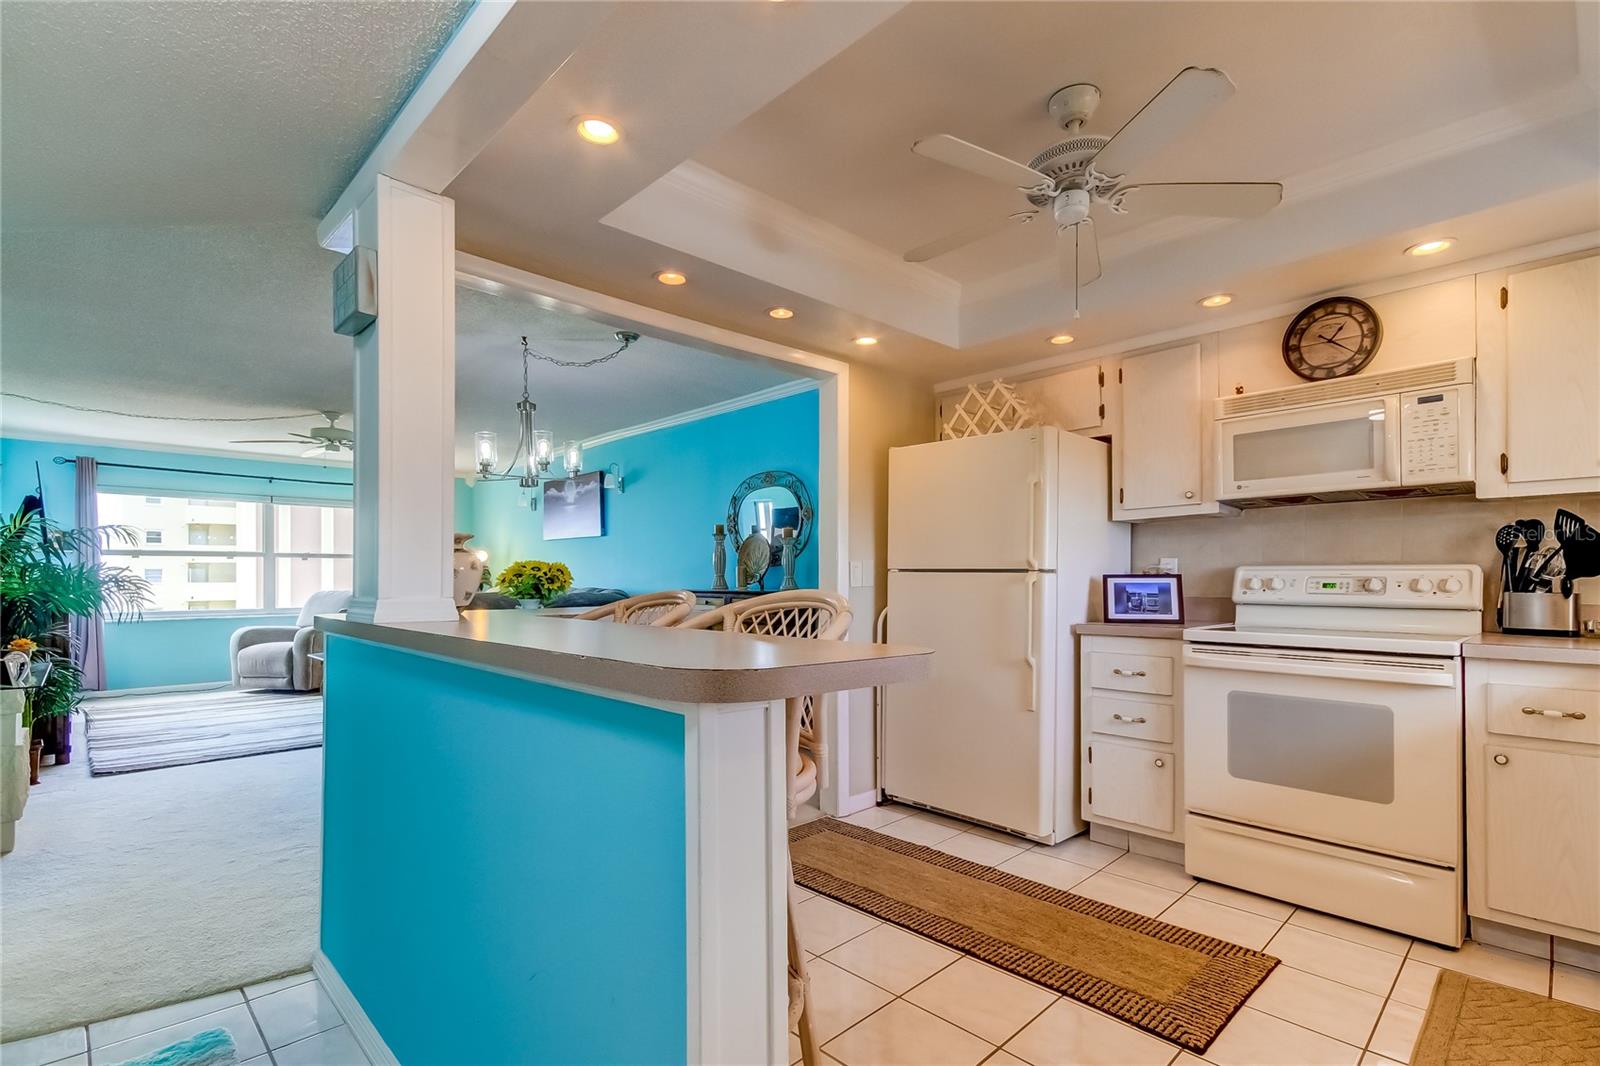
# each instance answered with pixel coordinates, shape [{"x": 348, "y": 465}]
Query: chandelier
[{"x": 536, "y": 447}]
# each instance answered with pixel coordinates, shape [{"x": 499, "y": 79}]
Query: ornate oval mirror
[{"x": 767, "y": 502}]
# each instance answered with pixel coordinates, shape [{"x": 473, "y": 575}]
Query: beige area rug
[
  {"x": 129, "y": 733},
  {"x": 1173, "y": 982},
  {"x": 1471, "y": 1022},
  {"x": 138, "y": 890}
]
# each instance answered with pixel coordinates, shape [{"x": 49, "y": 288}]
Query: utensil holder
[{"x": 1539, "y": 614}]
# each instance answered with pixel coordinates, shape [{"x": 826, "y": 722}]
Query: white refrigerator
[{"x": 996, "y": 549}]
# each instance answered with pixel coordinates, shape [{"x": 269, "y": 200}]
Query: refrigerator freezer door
[
  {"x": 980, "y": 503},
  {"x": 978, "y": 737}
]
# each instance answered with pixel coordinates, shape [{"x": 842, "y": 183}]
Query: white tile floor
[
  {"x": 1344, "y": 994},
  {"x": 286, "y": 1022}
]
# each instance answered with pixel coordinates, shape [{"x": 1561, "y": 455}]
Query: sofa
[{"x": 279, "y": 657}]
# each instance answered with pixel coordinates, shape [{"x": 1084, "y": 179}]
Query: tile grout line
[
  {"x": 1387, "y": 999},
  {"x": 249, "y": 1005}
]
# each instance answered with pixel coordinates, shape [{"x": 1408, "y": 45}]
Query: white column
[{"x": 405, "y": 389}]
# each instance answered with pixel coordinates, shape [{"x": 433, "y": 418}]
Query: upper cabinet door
[
  {"x": 1553, "y": 372},
  {"x": 1538, "y": 379},
  {"x": 980, "y": 503},
  {"x": 1162, "y": 448}
]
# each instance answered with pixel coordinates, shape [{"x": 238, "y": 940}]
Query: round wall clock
[{"x": 1332, "y": 338}]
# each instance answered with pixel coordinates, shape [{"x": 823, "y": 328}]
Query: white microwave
[{"x": 1345, "y": 438}]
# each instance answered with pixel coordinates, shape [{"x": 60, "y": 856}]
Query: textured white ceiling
[
  {"x": 228, "y": 321},
  {"x": 156, "y": 111}
]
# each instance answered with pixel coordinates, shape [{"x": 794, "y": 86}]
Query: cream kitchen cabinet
[
  {"x": 1132, "y": 729},
  {"x": 1161, "y": 461},
  {"x": 1533, "y": 794},
  {"x": 1538, "y": 373}
]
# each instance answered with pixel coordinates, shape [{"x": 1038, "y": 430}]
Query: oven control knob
[
  {"x": 1421, "y": 584},
  {"x": 1276, "y": 583},
  {"x": 1372, "y": 584},
  {"x": 1252, "y": 584},
  {"x": 1450, "y": 584}
]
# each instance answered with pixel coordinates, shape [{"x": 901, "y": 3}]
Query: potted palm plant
[{"x": 48, "y": 574}]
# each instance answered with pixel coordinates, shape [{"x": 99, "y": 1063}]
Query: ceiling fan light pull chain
[{"x": 1077, "y": 266}]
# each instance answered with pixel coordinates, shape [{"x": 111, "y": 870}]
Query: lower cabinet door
[
  {"x": 1134, "y": 785},
  {"x": 1541, "y": 813}
]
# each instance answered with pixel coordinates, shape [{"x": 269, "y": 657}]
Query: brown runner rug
[
  {"x": 1181, "y": 985},
  {"x": 1472, "y": 1022}
]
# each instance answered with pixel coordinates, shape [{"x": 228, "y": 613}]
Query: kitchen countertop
[
  {"x": 1583, "y": 651},
  {"x": 1197, "y": 611},
  {"x": 682, "y": 665}
]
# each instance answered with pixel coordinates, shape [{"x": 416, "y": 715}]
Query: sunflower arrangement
[{"x": 533, "y": 579}]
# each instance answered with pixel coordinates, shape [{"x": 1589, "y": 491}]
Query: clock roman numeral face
[{"x": 1332, "y": 338}]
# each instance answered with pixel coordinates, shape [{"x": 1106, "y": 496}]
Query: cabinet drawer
[
  {"x": 1132, "y": 785},
  {"x": 1546, "y": 713},
  {"x": 1144, "y": 719},
  {"x": 1131, "y": 673}
]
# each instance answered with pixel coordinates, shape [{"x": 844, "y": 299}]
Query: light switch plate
[
  {"x": 1169, "y": 564},
  {"x": 857, "y": 574}
]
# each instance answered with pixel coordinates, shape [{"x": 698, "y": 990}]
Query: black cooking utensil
[
  {"x": 1505, "y": 539},
  {"x": 1533, "y": 531},
  {"x": 1580, "y": 548}
]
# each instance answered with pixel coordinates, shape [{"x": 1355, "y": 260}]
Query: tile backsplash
[{"x": 1452, "y": 529}]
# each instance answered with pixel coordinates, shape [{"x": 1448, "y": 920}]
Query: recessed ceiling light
[
  {"x": 1217, "y": 299},
  {"x": 779, "y": 312},
  {"x": 670, "y": 277},
  {"x": 597, "y": 130},
  {"x": 865, "y": 341},
  {"x": 1433, "y": 247},
  {"x": 1061, "y": 338}
]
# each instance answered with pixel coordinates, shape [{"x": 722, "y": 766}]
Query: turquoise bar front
[{"x": 503, "y": 863}]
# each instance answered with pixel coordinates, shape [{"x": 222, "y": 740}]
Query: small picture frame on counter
[{"x": 1156, "y": 598}]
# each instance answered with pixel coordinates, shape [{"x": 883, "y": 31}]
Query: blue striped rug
[{"x": 128, "y": 733}]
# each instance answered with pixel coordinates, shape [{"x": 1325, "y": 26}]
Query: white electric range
[{"x": 1323, "y": 741}]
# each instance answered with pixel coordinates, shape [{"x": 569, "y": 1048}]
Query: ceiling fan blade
[
  {"x": 1078, "y": 253},
  {"x": 1214, "y": 199},
  {"x": 955, "y": 152},
  {"x": 272, "y": 440},
  {"x": 961, "y": 238},
  {"x": 309, "y": 452},
  {"x": 1184, "y": 101}
]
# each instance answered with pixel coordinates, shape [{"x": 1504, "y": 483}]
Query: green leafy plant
[
  {"x": 48, "y": 574},
  {"x": 531, "y": 579}
]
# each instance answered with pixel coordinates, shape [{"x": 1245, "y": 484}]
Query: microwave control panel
[{"x": 1436, "y": 436}]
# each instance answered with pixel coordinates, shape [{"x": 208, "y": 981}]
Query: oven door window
[{"x": 1331, "y": 747}]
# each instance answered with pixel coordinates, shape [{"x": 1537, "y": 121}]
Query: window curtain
[{"x": 88, "y": 638}]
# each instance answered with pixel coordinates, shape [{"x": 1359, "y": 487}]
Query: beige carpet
[
  {"x": 129, "y": 733},
  {"x": 137, "y": 890},
  {"x": 1174, "y": 982},
  {"x": 1471, "y": 1022}
]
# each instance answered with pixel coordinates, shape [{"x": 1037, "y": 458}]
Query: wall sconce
[{"x": 613, "y": 478}]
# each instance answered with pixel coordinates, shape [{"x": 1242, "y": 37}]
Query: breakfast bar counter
[{"x": 553, "y": 840}]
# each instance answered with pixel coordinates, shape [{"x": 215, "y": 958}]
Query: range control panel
[{"x": 1459, "y": 587}]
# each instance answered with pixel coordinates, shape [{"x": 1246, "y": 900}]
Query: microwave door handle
[{"x": 1392, "y": 441}]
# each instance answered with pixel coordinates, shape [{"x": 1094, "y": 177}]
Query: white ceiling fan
[
  {"x": 331, "y": 438},
  {"x": 1088, "y": 169}
]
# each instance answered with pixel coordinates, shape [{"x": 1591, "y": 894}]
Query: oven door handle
[{"x": 1314, "y": 667}]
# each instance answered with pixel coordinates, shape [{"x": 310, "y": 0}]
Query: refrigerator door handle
[
  {"x": 1034, "y": 485},
  {"x": 1027, "y": 653}
]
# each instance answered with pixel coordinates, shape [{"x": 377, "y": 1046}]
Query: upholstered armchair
[{"x": 280, "y": 656}]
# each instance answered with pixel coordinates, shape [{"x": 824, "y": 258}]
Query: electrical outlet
[{"x": 1169, "y": 564}]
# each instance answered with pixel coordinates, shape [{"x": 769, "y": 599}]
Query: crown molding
[{"x": 1578, "y": 242}]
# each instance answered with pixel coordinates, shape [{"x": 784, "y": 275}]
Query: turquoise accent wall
[
  {"x": 678, "y": 480},
  {"x": 161, "y": 651},
  {"x": 503, "y": 864}
]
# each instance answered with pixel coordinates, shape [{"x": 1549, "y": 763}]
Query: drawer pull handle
[
  {"x": 1136, "y": 720},
  {"x": 1161, "y": 762},
  {"x": 1577, "y": 716},
  {"x": 1120, "y": 672},
  {"x": 1501, "y": 760}
]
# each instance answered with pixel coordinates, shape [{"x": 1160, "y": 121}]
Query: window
[{"x": 232, "y": 555}]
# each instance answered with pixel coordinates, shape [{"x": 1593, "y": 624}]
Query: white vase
[
  {"x": 531, "y": 605},
  {"x": 467, "y": 570}
]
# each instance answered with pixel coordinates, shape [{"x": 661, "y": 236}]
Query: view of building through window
[{"x": 231, "y": 555}]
